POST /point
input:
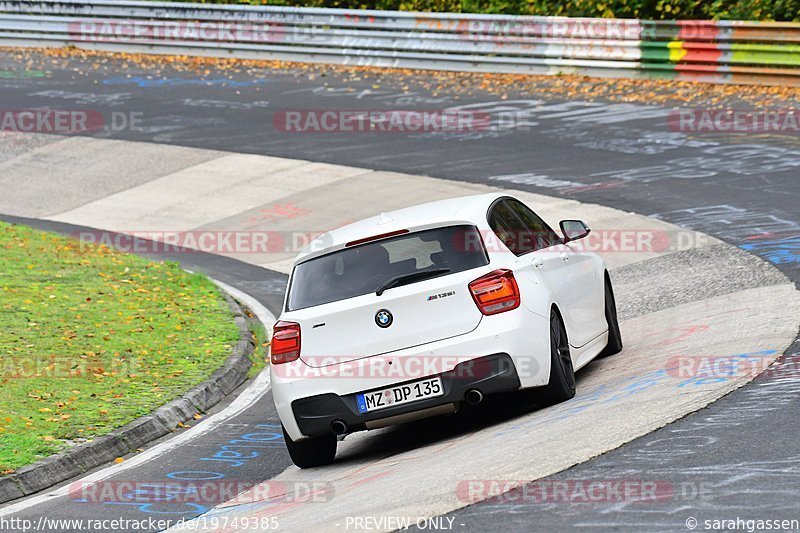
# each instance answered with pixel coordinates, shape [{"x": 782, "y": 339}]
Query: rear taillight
[
  {"x": 495, "y": 292},
  {"x": 285, "y": 345}
]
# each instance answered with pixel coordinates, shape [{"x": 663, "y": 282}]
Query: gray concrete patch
[
  {"x": 688, "y": 276},
  {"x": 73, "y": 171},
  {"x": 13, "y": 144}
]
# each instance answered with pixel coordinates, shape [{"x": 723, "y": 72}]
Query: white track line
[
  {"x": 251, "y": 395},
  {"x": 262, "y": 313}
]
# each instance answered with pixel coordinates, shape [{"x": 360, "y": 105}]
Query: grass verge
[
  {"x": 260, "y": 353},
  {"x": 91, "y": 339}
]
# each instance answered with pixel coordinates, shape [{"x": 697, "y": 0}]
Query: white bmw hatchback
[{"x": 416, "y": 312}]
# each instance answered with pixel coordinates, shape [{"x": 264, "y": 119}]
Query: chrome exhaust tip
[
  {"x": 338, "y": 427},
  {"x": 473, "y": 397}
]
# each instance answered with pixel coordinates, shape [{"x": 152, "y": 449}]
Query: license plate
[{"x": 381, "y": 399}]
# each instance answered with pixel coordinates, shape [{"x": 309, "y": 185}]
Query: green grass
[
  {"x": 259, "y": 355},
  {"x": 91, "y": 339}
]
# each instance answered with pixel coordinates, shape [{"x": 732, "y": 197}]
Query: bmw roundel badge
[{"x": 383, "y": 318}]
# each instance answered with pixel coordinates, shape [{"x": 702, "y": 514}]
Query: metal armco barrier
[{"x": 765, "y": 53}]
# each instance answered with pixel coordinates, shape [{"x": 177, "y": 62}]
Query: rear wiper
[{"x": 414, "y": 276}]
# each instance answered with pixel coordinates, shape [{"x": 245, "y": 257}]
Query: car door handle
[{"x": 564, "y": 257}]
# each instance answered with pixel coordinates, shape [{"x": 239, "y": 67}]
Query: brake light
[
  {"x": 376, "y": 237},
  {"x": 496, "y": 292},
  {"x": 285, "y": 345}
]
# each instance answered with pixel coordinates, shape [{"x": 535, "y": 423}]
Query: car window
[
  {"x": 362, "y": 269},
  {"x": 519, "y": 228},
  {"x": 506, "y": 226},
  {"x": 543, "y": 235}
]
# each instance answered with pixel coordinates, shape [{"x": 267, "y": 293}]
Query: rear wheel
[
  {"x": 562, "y": 376},
  {"x": 614, "y": 336},
  {"x": 315, "y": 451}
]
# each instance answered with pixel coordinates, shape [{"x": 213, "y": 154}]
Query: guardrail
[{"x": 711, "y": 51}]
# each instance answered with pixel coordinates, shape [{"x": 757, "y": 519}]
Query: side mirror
[{"x": 573, "y": 230}]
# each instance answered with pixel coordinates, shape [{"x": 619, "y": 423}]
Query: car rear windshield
[{"x": 365, "y": 268}]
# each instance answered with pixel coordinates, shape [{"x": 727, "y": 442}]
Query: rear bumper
[
  {"x": 522, "y": 334},
  {"x": 489, "y": 374}
]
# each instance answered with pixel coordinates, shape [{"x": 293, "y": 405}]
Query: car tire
[
  {"x": 614, "y": 345},
  {"x": 561, "y": 386},
  {"x": 311, "y": 452}
]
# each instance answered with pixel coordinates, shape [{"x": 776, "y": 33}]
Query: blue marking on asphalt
[
  {"x": 158, "y": 495},
  {"x": 143, "y": 81},
  {"x": 776, "y": 251}
]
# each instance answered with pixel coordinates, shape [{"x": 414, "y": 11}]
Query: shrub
[{"x": 780, "y": 10}]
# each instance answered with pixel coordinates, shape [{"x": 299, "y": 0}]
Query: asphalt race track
[{"x": 738, "y": 457}]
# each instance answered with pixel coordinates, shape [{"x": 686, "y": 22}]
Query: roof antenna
[{"x": 385, "y": 219}]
